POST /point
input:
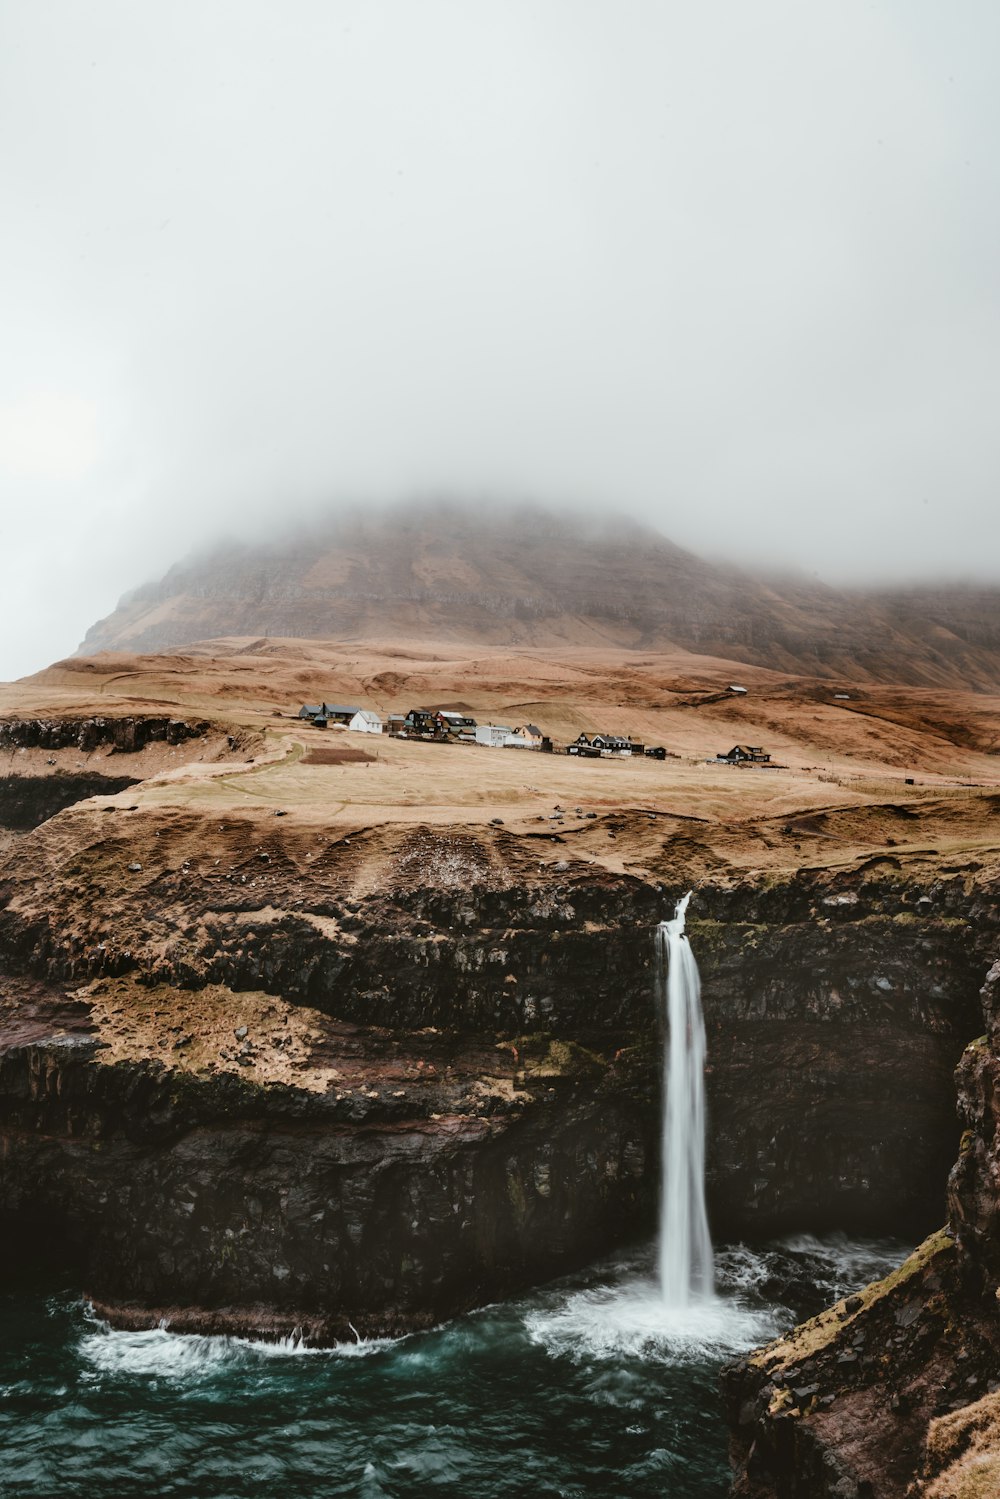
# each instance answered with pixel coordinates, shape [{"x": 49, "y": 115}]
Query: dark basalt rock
[
  {"x": 906, "y": 1376},
  {"x": 126, "y": 734},
  {"x": 835, "y": 1015},
  {"x": 26, "y": 801},
  {"x": 263, "y": 1208}
]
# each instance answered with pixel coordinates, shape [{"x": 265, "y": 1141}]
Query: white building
[
  {"x": 366, "y": 722},
  {"x": 495, "y": 735}
]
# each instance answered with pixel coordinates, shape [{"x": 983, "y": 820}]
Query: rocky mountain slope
[{"x": 527, "y": 577}]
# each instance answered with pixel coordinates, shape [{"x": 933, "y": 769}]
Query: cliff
[
  {"x": 896, "y": 1392},
  {"x": 265, "y": 1084}
]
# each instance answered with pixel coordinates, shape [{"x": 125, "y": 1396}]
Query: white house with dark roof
[{"x": 366, "y": 722}]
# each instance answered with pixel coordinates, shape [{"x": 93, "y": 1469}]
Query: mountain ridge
[{"x": 537, "y": 578}]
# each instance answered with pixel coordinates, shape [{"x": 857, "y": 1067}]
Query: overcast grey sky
[{"x": 729, "y": 265}]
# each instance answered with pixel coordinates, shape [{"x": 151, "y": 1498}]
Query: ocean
[{"x": 585, "y": 1387}]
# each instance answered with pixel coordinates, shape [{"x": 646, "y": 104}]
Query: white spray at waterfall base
[{"x": 686, "y": 1267}]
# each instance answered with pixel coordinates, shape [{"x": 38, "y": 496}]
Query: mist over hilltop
[
  {"x": 526, "y": 576},
  {"x": 731, "y": 269}
]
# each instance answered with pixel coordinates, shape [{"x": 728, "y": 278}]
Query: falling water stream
[{"x": 685, "y": 1258}]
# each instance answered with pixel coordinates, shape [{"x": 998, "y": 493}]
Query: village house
[
  {"x": 311, "y": 711},
  {"x": 337, "y": 713},
  {"x": 745, "y": 754},
  {"x": 528, "y": 736},
  {"x": 612, "y": 744},
  {"x": 366, "y": 722},
  {"x": 583, "y": 747},
  {"x": 606, "y": 744},
  {"x": 422, "y": 721},
  {"x": 460, "y": 725}
]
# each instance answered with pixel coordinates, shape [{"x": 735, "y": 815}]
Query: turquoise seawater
[{"x": 586, "y": 1387}]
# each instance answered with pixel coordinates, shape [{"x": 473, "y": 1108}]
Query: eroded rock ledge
[
  {"x": 126, "y": 733},
  {"x": 51, "y": 763},
  {"x": 398, "y": 1180},
  {"x": 896, "y": 1392}
]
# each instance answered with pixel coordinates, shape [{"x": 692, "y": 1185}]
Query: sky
[{"x": 731, "y": 268}]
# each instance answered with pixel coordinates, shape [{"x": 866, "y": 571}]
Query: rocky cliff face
[
  {"x": 124, "y": 733},
  {"x": 896, "y": 1391},
  {"x": 415, "y": 1188},
  {"x": 26, "y": 801},
  {"x": 447, "y": 1081},
  {"x": 77, "y": 752}
]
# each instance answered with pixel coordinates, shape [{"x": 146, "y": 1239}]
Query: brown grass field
[{"x": 840, "y": 789}]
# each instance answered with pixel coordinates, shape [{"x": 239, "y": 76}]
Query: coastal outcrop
[
  {"x": 278, "y": 1077},
  {"x": 26, "y": 801},
  {"x": 896, "y": 1391},
  {"x": 395, "y": 1181}
]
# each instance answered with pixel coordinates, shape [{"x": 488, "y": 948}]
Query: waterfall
[{"x": 686, "y": 1270}]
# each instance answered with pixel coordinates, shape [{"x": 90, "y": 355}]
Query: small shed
[{"x": 740, "y": 691}]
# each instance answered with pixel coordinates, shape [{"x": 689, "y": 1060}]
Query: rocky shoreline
[{"x": 895, "y": 1392}]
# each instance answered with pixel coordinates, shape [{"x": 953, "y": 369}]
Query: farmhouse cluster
[{"x": 444, "y": 724}]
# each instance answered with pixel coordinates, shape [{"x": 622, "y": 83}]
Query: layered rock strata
[
  {"x": 447, "y": 1082},
  {"x": 896, "y": 1392},
  {"x": 392, "y": 1183}
]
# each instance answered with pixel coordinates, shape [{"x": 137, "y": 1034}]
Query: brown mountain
[{"x": 529, "y": 577}]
